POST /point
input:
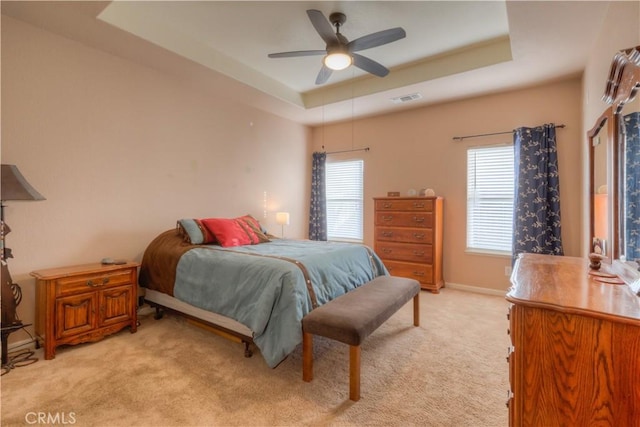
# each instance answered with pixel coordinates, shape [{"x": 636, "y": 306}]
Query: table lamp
[{"x": 282, "y": 218}]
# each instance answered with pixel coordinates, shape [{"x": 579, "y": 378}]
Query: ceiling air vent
[{"x": 406, "y": 98}]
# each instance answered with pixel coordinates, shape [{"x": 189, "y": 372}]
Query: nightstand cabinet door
[
  {"x": 75, "y": 315},
  {"x": 408, "y": 238},
  {"x": 84, "y": 303},
  {"x": 116, "y": 305}
]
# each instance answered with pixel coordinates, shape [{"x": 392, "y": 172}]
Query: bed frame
[{"x": 217, "y": 323}]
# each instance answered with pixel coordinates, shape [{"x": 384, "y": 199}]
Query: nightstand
[{"x": 84, "y": 303}]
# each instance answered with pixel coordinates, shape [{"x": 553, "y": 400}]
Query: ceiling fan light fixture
[
  {"x": 340, "y": 52},
  {"x": 338, "y": 61}
]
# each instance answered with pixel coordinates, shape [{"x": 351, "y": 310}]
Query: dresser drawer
[
  {"x": 405, "y": 219},
  {"x": 423, "y": 273},
  {"x": 88, "y": 282},
  {"x": 405, "y": 252},
  {"x": 407, "y": 235},
  {"x": 423, "y": 205}
]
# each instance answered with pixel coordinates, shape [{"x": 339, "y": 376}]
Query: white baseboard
[
  {"x": 20, "y": 344},
  {"x": 476, "y": 289}
]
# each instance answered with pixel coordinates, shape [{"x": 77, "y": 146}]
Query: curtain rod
[
  {"x": 346, "y": 151},
  {"x": 460, "y": 138}
]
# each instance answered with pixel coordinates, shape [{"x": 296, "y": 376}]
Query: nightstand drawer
[{"x": 77, "y": 284}]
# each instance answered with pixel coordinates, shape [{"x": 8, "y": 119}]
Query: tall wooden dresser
[
  {"x": 574, "y": 358},
  {"x": 408, "y": 238}
]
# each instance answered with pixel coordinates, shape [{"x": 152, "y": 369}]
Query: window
[
  {"x": 490, "y": 182},
  {"x": 344, "y": 200}
]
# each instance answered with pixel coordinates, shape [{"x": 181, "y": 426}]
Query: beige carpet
[{"x": 451, "y": 371}]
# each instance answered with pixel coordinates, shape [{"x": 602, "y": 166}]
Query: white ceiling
[{"x": 453, "y": 49}]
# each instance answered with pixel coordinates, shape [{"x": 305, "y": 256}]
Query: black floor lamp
[{"x": 13, "y": 187}]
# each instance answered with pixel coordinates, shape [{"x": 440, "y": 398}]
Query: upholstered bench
[{"x": 352, "y": 317}]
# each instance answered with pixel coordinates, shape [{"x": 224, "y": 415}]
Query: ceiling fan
[{"x": 340, "y": 52}]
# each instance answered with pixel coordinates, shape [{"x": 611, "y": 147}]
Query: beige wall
[
  {"x": 122, "y": 151},
  {"x": 415, "y": 149}
]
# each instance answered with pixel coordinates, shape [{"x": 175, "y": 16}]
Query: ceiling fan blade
[
  {"x": 322, "y": 26},
  {"x": 376, "y": 39},
  {"x": 323, "y": 75},
  {"x": 369, "y": 65},
  {"x": 297, "y": 53}
]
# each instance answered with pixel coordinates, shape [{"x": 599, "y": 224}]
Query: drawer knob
[
  {"x": 387, "y": 218},
  {"x": 387, "y": 233},
  {"x": 418, "y": 205},
  {"x": 418, "y": 218},
  {"x": 418, "y": 253},
  {"x": 418, "y": 273},
  {"x": 387, "y": 250},
  {"x": 387, "y": 205},
  {"x": 419, "y": 236}
]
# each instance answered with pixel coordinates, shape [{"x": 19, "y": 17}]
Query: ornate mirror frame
[{"x": 621, "y": 91}]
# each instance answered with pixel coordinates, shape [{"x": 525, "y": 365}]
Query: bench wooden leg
[
  {"x": 354, "y": 372},
  {"x": 307, "y": 357},
  {"x": 416, "y": 309}
]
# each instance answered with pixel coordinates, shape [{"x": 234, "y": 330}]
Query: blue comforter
[{"x": 264, "y": 286}]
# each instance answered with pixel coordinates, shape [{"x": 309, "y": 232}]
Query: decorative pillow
[
  {"x": 255, "y": 226},
  {"x": 194, "y": 232},
  {"x": 228, "y": 232},
  {"x": 247, "y": 229}
]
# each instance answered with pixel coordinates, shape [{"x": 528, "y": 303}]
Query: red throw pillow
[
  {"x": 207, "y": 236},
  {"x": 227, "y": 231},
  {"x": 255, "y": 227}
]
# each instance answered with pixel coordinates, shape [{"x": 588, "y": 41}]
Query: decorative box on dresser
[
  {"x": 408, "y": 238},
  {"x": 574, "y": 358},
  {"x": 84, "y": 303}
]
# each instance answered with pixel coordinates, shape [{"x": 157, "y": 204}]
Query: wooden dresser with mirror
[{"x": 574, "y": 357}]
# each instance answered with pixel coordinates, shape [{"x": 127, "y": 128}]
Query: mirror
[
  {"x": 600, "y": 153},
  {"x": 621, "y": 92},
  {"x": 628, "y": 119}
]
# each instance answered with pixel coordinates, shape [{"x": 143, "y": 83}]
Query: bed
[{"x": 258, "y": 292}]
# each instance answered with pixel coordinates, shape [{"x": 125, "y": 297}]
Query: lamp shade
[
  {"x": 282, "y": 218},
  {"x": 15, "y": 187}
]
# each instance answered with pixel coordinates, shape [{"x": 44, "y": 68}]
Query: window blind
[
  {"x": 344, "y": 186},
  {"x": 490, "y": 182}
]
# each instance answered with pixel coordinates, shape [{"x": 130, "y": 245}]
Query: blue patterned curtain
[
  {"x": 632, "y": 186},
  {"x": 536, "y": 213},
  {"x": 318, "y": 209}
]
